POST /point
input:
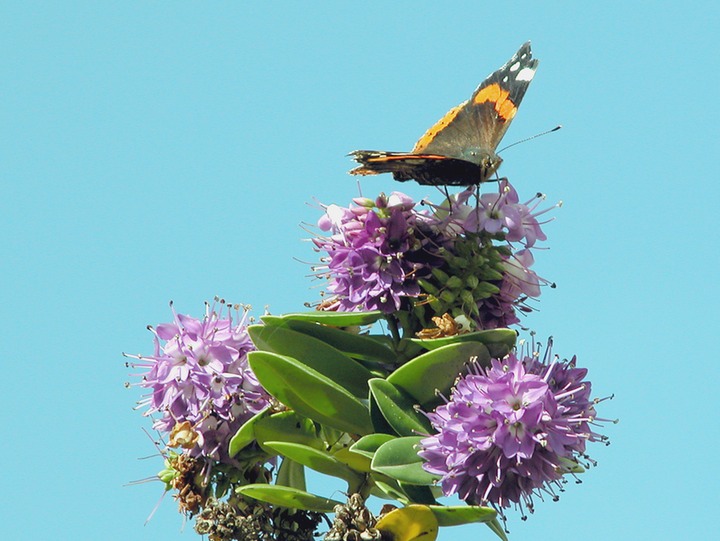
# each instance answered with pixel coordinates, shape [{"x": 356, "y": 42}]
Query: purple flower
[
  {"x": 500, "y": 217},
  {"x": 519, "y": 283},
  {"x": 376, "y": 250},
  {"x": 499, "y": 214},
  {"x": 511, "y": 430},
  {"x": 457, "y": 258},
  {"x": 200, "y": 382}
]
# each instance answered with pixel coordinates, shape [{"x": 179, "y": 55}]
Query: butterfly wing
[
  {"x": 481, "y": 121},
  {"x": 426, "y": 169},
  {"x": 459, "y": 150}
]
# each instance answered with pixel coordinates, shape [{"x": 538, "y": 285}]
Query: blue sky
[{"x": 165, "y": 150}]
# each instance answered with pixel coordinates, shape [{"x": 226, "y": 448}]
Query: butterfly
[{"x": 460, "y": 149}]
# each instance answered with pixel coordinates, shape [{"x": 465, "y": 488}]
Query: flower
[
  {"x": 518, "y": 284},
  {"x": 376, "y": 250},
  {"x": 457, "y": 258},
  {"x": 511, "y": 430},
  {"x": 200, "y": 382},
  {"x": 500, "y": 214}
]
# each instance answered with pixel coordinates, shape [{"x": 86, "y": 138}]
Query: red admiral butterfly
[{"x": 459, "y": 150}]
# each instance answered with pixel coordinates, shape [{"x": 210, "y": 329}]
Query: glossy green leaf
[
  {"x": 380, "y": 425},
  {"x": 456, "y": 515},
  {"x": 288, "y": 497},
  {"x": 355, "y": 345},
  {"x": 315, "y": 459},
  {"x": 399, "y": 460},
  {"x": 418, "y": 493},
  {"x": 498, "y": 341},
  {"x": 367, "y": 445},
  {"x": 355, "y": 461},
  {"x": 287, "y": 426},
  {"x": 338, "y": 319},
  {"x": 398, "y": 409},
  {"x": 291, "y": 474},
  {"x": 408, "y": 350},
  {"x": 314, "y": 353},
  {"x": 387, "y": 488},
  {"x": 497, "y": 529},
  {"x": 436, "y": 371},
  {"x": 310, "y": 393},
  {"x": 273, "y": 321},
  {"x": 245, "y": 434}
]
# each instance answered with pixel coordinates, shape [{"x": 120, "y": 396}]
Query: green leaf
[
  {"x": 398, "y": 408},
  {"x": 498, "y": 341},
  {"x": 310, "y": 393},
  {"x": 418, "y": 493},
  {"x": 355, "y": 461},
  {"x": 380, "y": 425},
  {"x": 357, "y": 346},
  {"x": 384, "y": 487},
  {"x": 245, "y": 434},
  {"x": 338, "y": 319},
  {"x": 455, "y": 515},
  {"x": 314, "y": 353},
  {"x": 399, "y": 460},
  {"x": 287, "y": 426},
  {"x": 497, "y": 529},
  {"x": 315, "y": 459},
  {"x": 273, "y": 321},
  {"x": 367, "y": 445},
  {"x": 288, "y": 497},
  {"x": 436, "y": 371},
  {"x": 291, "y": 474}
]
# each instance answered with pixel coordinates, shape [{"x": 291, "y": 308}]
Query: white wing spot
[
  {"x": 525, "y": 74},
  {"x": 515, "y": 66}
]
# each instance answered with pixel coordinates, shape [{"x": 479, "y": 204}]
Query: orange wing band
[
  {"x": 436, "y": 128},
  {"x": 504, "y": 106},
  {"x": 406, "y": 157}
]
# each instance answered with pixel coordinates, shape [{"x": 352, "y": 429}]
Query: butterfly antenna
[{"x": 556, "y": 128}]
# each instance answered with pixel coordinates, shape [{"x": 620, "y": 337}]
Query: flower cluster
[
  {"x": 459, "y": 257},
  {"x": 498, "y": 214},
  {"x": 200, "y": 382},
  {"x": 511, "y": 430},
  {"x": 377, "y": 250}
]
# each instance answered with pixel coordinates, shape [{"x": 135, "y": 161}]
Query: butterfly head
[{"x": 487, "y": 161}]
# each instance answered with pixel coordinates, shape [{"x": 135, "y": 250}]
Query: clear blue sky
[{"x": 167, "y": 150}]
